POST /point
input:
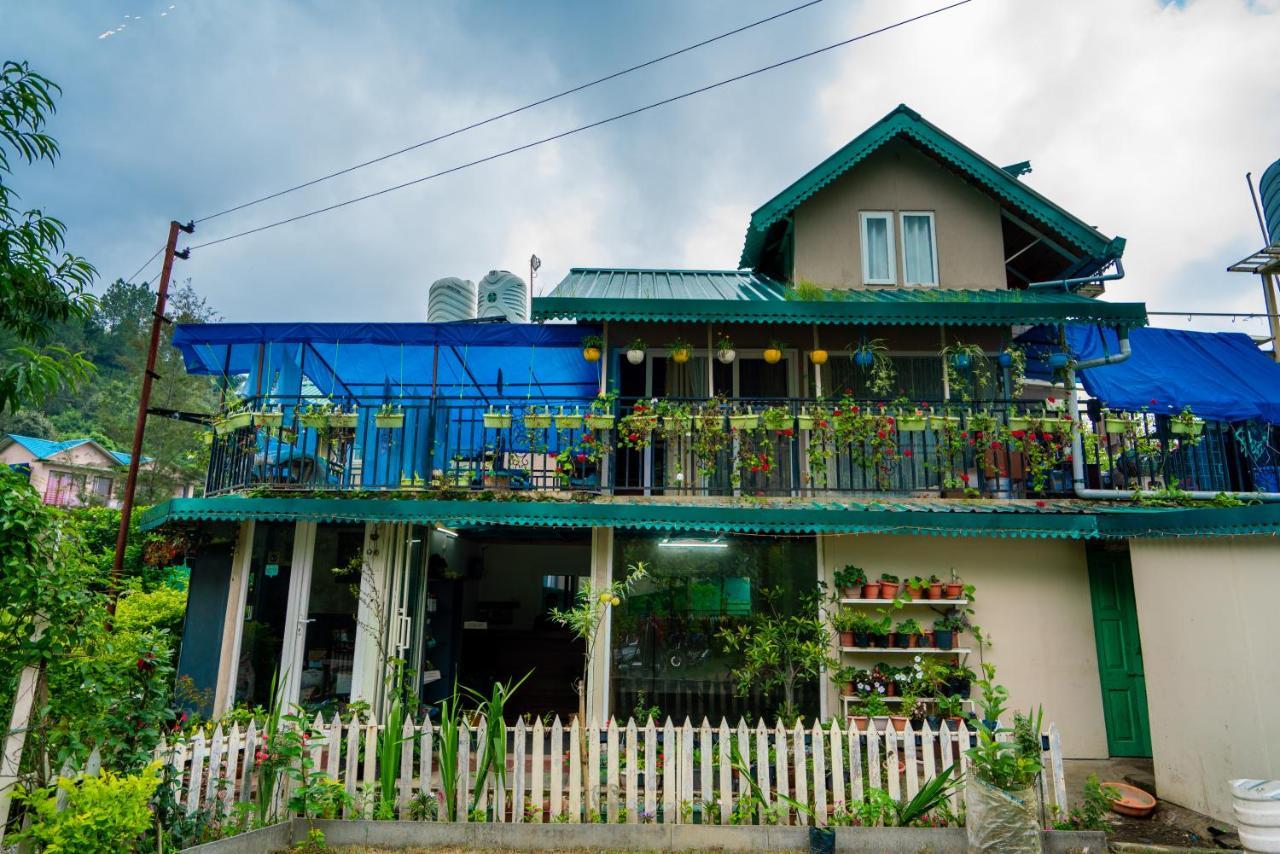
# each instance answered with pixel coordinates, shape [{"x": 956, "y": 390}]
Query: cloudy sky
[{"x": 1140, "y": 116}]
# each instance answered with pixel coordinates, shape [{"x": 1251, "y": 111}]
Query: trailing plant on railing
[
  {"x": 710, "y": 439},
  {"x": 968, "y": 370},
  {"x": 873, "y": 358},
  {"x": 756, "y": 455},
  {"x": 818, "y": 450},
  {"x": 635, "y": 429},
  {"x": 1014, "y": 359}
]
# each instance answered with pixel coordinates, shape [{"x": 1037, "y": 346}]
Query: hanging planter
[
  {"x": 863, "y": 358},
  {"x": 1186, "y": 426},
  {"x": 315, "y": 417},
  {"x": 635, "y": 351},
  {"x": 389, "y": 417},
  {"x": 232, "y": 422},
  {"x": 724, "y": 350},
  {"x": 537, "y": 420},
  {"x": 599, "y": 421},
  {"x": 911, "y": 422},
  {"x": 744, "y": 421},
  {"x": 773, "y": 353},
  {"x": 1117, "y": 424},
  {"x": 674, "y": 425},
  {"x": 961, "y": 361},
  {"x": 818, "y": 357},
  {"x": 271, "y": 418},
  {"x": 778, "y": 419},
  {"x": 495, "y": 420},
  {"x": 340, "y": 420},
  {"x": 1019, "y": 423},
  {"x": 938, "y": 423},
  {"x": 569, "y": 420},
  {"x": 591, "y": 347},
  {"x": 804, "y": 421},
  {"x": 680, "y": 351}
]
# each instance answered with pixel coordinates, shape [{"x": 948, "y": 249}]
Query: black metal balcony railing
[{"x": 744, "y": 447}]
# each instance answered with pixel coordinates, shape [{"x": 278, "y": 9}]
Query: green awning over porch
[
  {"x": 1001, "y": 519},
  {"x": 737, "y": 296}
]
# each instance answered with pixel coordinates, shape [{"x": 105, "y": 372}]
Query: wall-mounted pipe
[
  {"x": 1068, "y": 284},
  {"x": 1077, "y": 439}
]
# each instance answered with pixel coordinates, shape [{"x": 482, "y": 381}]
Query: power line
[
  {"x": 513, "y": 111},
  {"x": 1246, "y": 315},
  {"x": 585, "y": 127},
  {"x": 145, "y": 264}
]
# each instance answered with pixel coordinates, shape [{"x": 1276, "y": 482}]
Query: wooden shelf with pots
[
  {"x": 926, "y": 650},
  {"x": 905, "y": 602}
]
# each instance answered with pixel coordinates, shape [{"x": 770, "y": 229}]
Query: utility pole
[{"x": 144, "y": 399}]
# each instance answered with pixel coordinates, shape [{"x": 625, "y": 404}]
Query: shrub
[
  {"x": 102, "y": 813},
  {"x": 162, "y": 608}
]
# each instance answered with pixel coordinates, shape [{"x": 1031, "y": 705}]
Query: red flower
[
  {"x": 824, "y": 423},
  {"x": 836, "y": 411},
  {"x": 964, "y": 434},
  {"x": 996, "y": 445},
  {"x": 1051, "y": 400},
  {"x": 588, "y": 438},
  {"x": 906, "y": 452},
  {"x": 889, "y": 420},
  {"x": 879, "y": 434},
  {"x": 964, "y": 478},
  {"x": 789, "y": 432},
  {"x": 1018, "y": 434},
  {"x": 633, "y": 436},
  {"x": 857, "y": 409},
  {"x": 765, "y": 466},
  {"x": 1042, "y": 503}
]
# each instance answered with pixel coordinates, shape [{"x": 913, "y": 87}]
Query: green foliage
[
  {"x": 779, "y": 650},
  {"x": 849, "y": 576},
  {"x": 447, "y": 751},
  {"x": 492, "y": 762},
  {"x": 586, "y": 617},
  {"x": 1092, "y": 814},
  {"x": 1009, "y": 765},
  {"x": 102, "y": 813},
  {"x": 161, "y": 609},
  {"x": 42, "y": 285}
]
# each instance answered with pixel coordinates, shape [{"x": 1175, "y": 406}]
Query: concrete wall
[
  {"x": 899, "y": 178},
  {"x": 1207, "y": 617},
  {"x": 1032, "y": 601}
]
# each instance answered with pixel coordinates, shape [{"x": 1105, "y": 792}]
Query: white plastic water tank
[
  {"x": 451, "y": 299},
  {"x": 1256, "y": 804},
  {"x": 503, "y": 294}
]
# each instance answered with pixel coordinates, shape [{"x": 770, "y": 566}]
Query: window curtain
[
  {"x": 917, "y": 250},
  {"x": 877, "y": 248},
  {"x": 687, "y": 380}
]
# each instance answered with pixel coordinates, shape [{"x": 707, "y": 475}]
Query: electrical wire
[
  {"x": 144, "y": 266},
  {"x": 512, "y": 111},
  {"x": 665, "y": 101}
]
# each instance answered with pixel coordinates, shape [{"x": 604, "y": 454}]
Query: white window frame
[
  {"x": 887, "y": 216},
  {"x": 933, "y": 247}
]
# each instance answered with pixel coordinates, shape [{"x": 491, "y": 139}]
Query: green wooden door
[{"x": 1115, "y": 626}]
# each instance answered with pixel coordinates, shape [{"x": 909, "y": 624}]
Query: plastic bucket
[{"x": 1256, "y": 804}]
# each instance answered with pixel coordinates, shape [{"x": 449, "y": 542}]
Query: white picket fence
[{"x": 666, "y": 774}]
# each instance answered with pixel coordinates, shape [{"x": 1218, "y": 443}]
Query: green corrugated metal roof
[
  {"x": 1056, "y": 520},
  {"x": 732, "y": 296},
  {"x": 907, "y": 123}
]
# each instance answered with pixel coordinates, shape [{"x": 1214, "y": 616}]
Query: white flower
[
  {"x": 917, "y": 661},
  {"x": 680, "y": 477}
]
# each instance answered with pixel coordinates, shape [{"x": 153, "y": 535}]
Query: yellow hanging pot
[
  {"x": 591, "y": 354},
  {"x": 681, "y": 355},
  {"x": 773, "y": 356},
  {"x": 818, "y": 357}
]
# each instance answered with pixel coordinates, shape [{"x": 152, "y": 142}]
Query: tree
[{"x": 41, "y": 285}]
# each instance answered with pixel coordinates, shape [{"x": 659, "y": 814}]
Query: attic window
[
  {"x": 877, "y": 248},
  {"x": 919, "y": 249}
]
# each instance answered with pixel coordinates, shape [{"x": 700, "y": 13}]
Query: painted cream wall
[
  {"x": 1207, "y": 618},
  {"x": 1032, "y": 600},
  {"x": 899, "y": 178}
]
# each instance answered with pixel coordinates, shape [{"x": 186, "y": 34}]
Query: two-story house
[
  {"x": 73, "y": 472},
  {"x": 854, "y": 394}
]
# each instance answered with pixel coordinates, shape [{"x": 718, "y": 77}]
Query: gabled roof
[
  {"x": 904, "y": 122},
  {"x": 737, "y": 296},
  {"x": 43, "y": 449}
]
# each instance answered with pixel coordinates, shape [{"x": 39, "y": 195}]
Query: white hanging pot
[
  {"x": 635, "y": 357},
  {"x": 726, "y": 356}
]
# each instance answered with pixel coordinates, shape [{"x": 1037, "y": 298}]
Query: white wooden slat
[
  {"x": 891, "y": 772},
  {"x": 234, "y": 746},
  {"x": 818, "y": 746},
  {"x": 517, "y": 773},
  {"x": 612, "y": 791},
  {"x": 706, "y": 781},
  {"x": 726, "y": 775},
  {"x": 780, "y": 757},
  {"x": 744, "y": 750},
  {"x": 686, "y": 769},
  {"x": 463, "y": 795},
  {"x": 369, "y": 784},
  {"x": 316, "y": 744},
  {"x": 427, "y": 786},
  {"x": 873, "y": 755},
  {"x": 94, "y": 764},
  {"x": 928, "y": 749},
  {"x": 482, "y": 785},
  {"x": 947, "y": 754},
  {"x": 836, "y": 736},
  {"x": 498, "y": 778},
  {"x": 1055, "y": 764},
  {"x": 763, "y": 770},
  {"x": 670, "y": 765},
  {"x": 855, "y": 765},
  {"x": 963, "y": 748},
  {"x": 575, "y": 771},
  {"x": 801, "y": 771},
  {"x": 909, "y": 760},
  {"x": 197, "y": 769},
  {"x": 592, "y": 783},
  {"x": 353, "y": 758},
  {"x": 250, "y": 753},
  {"x": 406, "y": 766},
  {"x": 556, "y": 754},
  {"x": 650, "y": 770},
  {"x": 333, "y": 756},
  {"x": 633, "y": 736},
  {"x": 217, "y": 754},
  {"x": 536, "y": 787}
]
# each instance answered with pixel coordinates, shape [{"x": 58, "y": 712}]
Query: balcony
[{"x": 765, "y": 448}]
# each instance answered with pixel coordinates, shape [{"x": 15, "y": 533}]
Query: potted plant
[
  {"x": 1117, "y": 423},
  {"x": 906, "y": 709},
  {"x": 591, "y": 347},
  {"x": 849, "y": 580},
  {"x": 818, "y": 357},
  {"x": 680, "y": 351},
  {"x": 744, "y": 420},
  {"x": 967, "y": 369},
  {"x": 844, "y": 678},
  {"x": 778, "y": 419},
  {"x": 908, "y": 633},
  {"x": 773, "y": 353},
  {"x": 843, "y": 622},
  {"x": 911, "y": 422},
  {"x": 340, "y": 419},
  {"x": 944, "y": 629},
  {"x": 535, "y": 419},
  {"x": 635, "y": 430},
  {"x": 1000, "y": 792},
  {"x": 941, "y": 421},
  {"x": 935, "y": 588},
  {"x": 677, "y": 419},
  {"x": 388, "y": 417},
  {"x": 875, "y": 711},
  {"x": 916, "y": 587},
  {"x": 600, "y": 416},
  {"x": 888, "y": 586},
  {"x": 870, "y": 589},
  {"x": 950, "y": 711},
  {"x": 495, "y": 420},
  {"x": 314, "y": 415},
  {"x": 879, "y": 629},
  {"x": 862, "y": 627},
  {"x": 805, "y": 420},
  {"x": 953, "y": 588},
  {"x": 960, "y": 682},
  {"x": 635, "y": 351},
  {"x": 724, "y": 349},
  {"x": 271, "y": 418},
  {"x": 1185, "y": 423},
  {"x": 1014, "y": 359}
]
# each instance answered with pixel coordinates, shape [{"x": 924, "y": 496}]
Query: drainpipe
[
  {"x": 1068, "y": 284},
  {"x": 1077, "y": 440}
]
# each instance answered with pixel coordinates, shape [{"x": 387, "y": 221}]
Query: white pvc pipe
[{"x": 1077, "y": 442}]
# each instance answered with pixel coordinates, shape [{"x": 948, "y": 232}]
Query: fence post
[
  {"x": 726, "y": 778},
  {"x": 592, "y": 782},
  {"x": 801, "y": 771},
  {"x": 632, "y": 796},
  {"x": 517, "y": 778},
  {"x": 780, "y": 770},
  {"x": 575, "y": 771},
  {"x": 536, "y": 787},
  {"x": 557, "y": 768},
  {"x": 837, "y": 766},
  {"x": 819, "y": 775}
]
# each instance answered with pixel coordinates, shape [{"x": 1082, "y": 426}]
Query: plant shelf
[
  {"x": 852, "y": 697},
  {"x": 917, "y": 650},
  {"x": 905, "y": 602}
]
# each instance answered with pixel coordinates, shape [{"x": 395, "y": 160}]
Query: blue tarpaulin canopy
[
  {"x": 368, "y": 362},
  {"x": 1222, "y": 376}
]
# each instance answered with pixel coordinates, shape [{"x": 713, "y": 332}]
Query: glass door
[
  {"x": 328, "y": 657},
  {"x": 265, "y": 613}
]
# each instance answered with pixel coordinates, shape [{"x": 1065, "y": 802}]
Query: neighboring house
[
  {"x": 74, "y": 472},
  {"x": 482, "y": 497}
]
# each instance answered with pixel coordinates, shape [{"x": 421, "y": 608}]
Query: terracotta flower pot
[
  {"x": 846, "y": 690},
  {"x": 928, "y": 640},
  {"x": 899, "y": 722},
  {"x": 859, "y": 721},
  {"x": 846, "y": 639},
  {"x": 850, "y": 592},
  {"x": 935, "y": 591},
  {"x": 871, "y": 591},
  {"x": 892, "y": 638},
  {"x": 912, "y": 641},
  {"x": 888, "y": 589},
  {"x": 952, "y": 591}
]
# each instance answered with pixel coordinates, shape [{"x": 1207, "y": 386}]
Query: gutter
[
  {"x": 1070, "y": 284},
  {"x": 1077, "y": 441}
]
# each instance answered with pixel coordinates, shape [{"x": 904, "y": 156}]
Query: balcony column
[
  {"x": 233, "y": 622},
  {"x": 598, "y": 695},
  {"x": 817, "y": 369}
]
